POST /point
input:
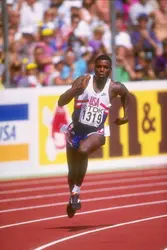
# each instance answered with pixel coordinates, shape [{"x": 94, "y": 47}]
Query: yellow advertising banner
[
  {"x": 149, "y": 123},
  {"x": 144, "y": 135}
]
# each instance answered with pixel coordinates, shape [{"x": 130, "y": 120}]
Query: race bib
[{"x": 91, "y": 115}]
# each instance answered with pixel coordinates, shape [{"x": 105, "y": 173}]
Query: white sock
[{"x": 76, "y": 189}]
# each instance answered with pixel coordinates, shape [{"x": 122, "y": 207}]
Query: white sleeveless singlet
[{"x": 94, "y": 107}]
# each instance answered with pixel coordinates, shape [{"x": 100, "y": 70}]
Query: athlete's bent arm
[
  {"x": 77, "y": 88},
  {"x": 119, "y": 89}
]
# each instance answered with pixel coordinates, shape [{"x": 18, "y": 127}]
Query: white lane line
[
  {"x": 87, "y": 200},
  {"x": 100, "y": 229},
  {"x": 87, "y": 212},
  {"x": 86, "y": 184},
  {"x": 34, "y": 197},
  {"x": 58, "y": 179}
]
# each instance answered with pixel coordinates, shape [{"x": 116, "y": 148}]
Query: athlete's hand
[
  {"x": 81, "y": 85},
  {"x": 121, "y": 121}
]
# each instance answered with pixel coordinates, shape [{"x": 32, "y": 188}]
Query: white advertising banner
[{"x": 31, "y": 143}]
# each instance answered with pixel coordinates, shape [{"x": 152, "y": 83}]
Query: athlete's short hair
[{"x": 103, "y": 57}]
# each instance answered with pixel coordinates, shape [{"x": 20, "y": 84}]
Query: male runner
[{"x": 92, "y": 95}]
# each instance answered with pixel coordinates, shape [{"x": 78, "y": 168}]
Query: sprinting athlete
[{"x": 92, "y": 95}]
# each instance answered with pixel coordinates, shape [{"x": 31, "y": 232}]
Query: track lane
[
  {"x": 29, "y": 215},
  {"x": 31, "y": 191},
  {"x": 42, "y": 181},
  {"x": 31, "y": 235},
  {"x": 149, "y": 234},
  {"x": 46, "y": 205},
  {"x": 87, "y": 185},
  {"x": 34, "y": 235},
  {"x": 32, "y": 200}
]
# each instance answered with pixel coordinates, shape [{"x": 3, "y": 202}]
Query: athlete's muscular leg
[
  {"x": 86, "y": 147},
  {"x": 71, "y": 155},
  {"x": 78, "y": 159},
  {"x": 91, "y": 143},
  {"x": 77, "y": 166},
  {"x": 81, "y": 168}
]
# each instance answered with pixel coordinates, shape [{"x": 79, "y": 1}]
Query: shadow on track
[{"x": 78, "y": 228}]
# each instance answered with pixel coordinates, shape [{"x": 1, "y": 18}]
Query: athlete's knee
[{"x": 83, "y": 149}]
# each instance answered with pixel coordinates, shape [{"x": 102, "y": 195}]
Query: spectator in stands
[
  {"x": 81, "y": 63},
  {"x": 48, "y": 41},
  {"x": 143, "y": 38},
  {"x": 49, "y": 18},
  {"x": 31, "y": 78},
  {"x": 96, "y": 42},
  {"x": 124, "y": 70},
  {"x": 91, "y": 64},
  {"x": 63, "y": 10},
  {"x": 14, "y": 21},
  {"x": 154, "y": 4},
  {"x": 160, "y": 20},
  {"x": 95, "y": 14},
  {"x": 74, "y": 44},
  {"x": 161, "y": 62},
  {"x": 44, "y": 63},
  {"x": 41, "y": 58},
  {"x": 77, "y": 27},
  {"x": 15, "y": 52},
  {"x": 69, "y": 67},
  {"x": 73, "y": 68},
  {"x": 27, "y": 43},
  {"x": 41, "y": 32},
  {"x": 142, "y": 6},
  {"x": 74, "y": 41},
  {"x": 55, "y": 78},
  {"x": 122, "y": 37},
  {"x": 31, "y": 14},
  {"x": 86, "y": 53},
  {"x": 103, "y": 12},
  {"x": 126, "y": 8},
  {"x": 16, "y": 73},
  {"x": 58, "y": 21},
  {"x": 144, "y": 68},
  {"x": 10, "y": 4},
  {"x": 11, "y": 34},
  {"x": 90, "y": 11}
]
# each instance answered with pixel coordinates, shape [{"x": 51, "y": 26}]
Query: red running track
[{"x": 120, "y": 210}]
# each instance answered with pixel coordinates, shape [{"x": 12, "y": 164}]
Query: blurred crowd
[{"x": 52, "y": 42}]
